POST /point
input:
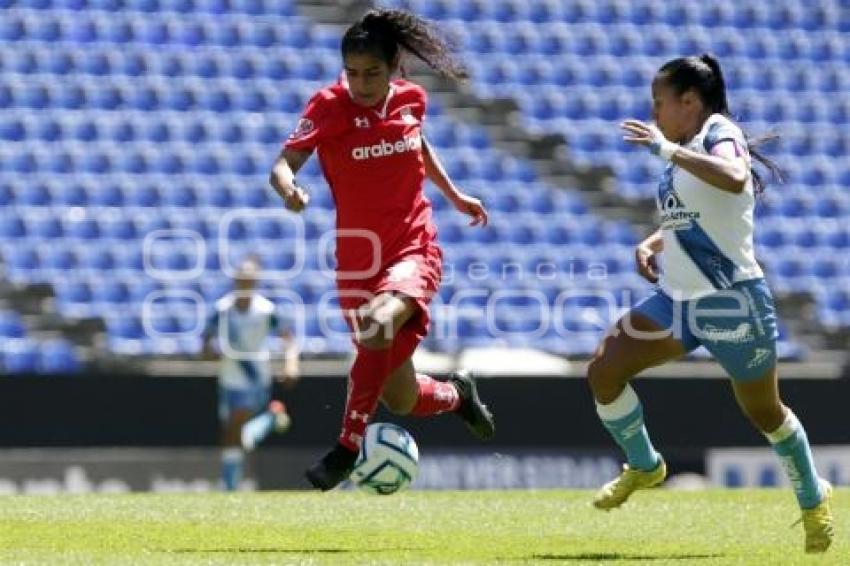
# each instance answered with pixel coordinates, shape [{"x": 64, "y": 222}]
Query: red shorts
[{"x": 416, "y": 275}]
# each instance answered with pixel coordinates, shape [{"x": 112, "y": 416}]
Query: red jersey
[{"x": 372, "y": 159}]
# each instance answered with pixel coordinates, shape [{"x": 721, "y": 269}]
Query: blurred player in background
[
  {"x": 712, "y": 291},
  {"x": 242, "y": 323},
  {"x": 367, "y": 129}
]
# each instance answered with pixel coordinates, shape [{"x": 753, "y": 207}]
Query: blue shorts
[
  {"x": 252, "y": 399},
  {"x": 738, "y": 325}
]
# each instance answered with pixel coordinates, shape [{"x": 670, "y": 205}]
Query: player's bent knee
[
  {"x": 375, "y": 333},
  {"x": 376, "y": 339},
  {"x": 605, "y": 381}
]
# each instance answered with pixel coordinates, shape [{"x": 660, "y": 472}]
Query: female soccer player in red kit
[{"x": 367, "y": 130}]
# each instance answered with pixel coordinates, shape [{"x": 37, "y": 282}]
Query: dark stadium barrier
[{"x": 166, "y": 431}]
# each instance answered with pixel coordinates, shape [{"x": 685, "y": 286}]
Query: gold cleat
[
  {"x": 617, "y": 491},
  {"x": 818, "y": 522}
]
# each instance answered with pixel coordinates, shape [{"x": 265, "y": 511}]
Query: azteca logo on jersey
[
  {"x": 674, "y": 214},
  {"x": 384, "y": 148}
]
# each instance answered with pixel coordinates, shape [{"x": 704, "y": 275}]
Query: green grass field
[{"x": 507, "y": 527}]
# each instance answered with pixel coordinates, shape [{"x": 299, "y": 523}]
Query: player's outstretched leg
[
  {"x": 407, "y": 392},
  {"x": 791, "y": 444},
  {"x": 626, "y": 351},
  {"x": 376, "y": 327},
  {"x": 275, "y": 418},
  {"x": 232, "y": 461},
  {"x": 368, "y": 374},
  {"x": 478, "y": 418},
  {"x": 623, "y": 418},
  {"x": 759, "y": 399},
  {"x": 232, "y": 454}
]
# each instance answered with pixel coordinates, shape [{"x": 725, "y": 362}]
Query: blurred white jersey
[
  {"x": 243, "y": 341},
  {"x": 708, "y": 233}
]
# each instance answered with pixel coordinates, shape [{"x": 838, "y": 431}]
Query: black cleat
[
  {"x": 332, "y": 469},
  {"x": 474, "y": 413}
]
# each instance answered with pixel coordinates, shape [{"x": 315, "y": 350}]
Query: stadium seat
[
  {"x": 20, "y": 356},
  {"x": 58, "y": 357}
]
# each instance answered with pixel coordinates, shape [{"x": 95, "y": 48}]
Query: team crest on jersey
[
  {"x": 361, "y": 122},
  {"x": 671, "y": 201},
  {"x": 304, "y": 127},
  {"x": 674, "y": 213}
]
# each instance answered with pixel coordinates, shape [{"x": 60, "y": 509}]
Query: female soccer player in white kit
[
  {"x": 242, "y": 322},
  {"x": 712, "y": 291}
]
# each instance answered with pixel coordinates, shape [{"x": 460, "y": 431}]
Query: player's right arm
[
  {"x": 282, "y": 178},
  {"x": 645, "y": 254},
  {"x": 313, "y": 127}
]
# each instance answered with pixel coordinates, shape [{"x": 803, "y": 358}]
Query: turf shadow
[
  {"x": 622, "y": 556},
  {"x": 274, "y": 550}
]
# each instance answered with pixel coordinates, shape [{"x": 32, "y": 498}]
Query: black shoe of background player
[
  {"x": 474, "y": 413},
  {"x": 332, "y": 469}
]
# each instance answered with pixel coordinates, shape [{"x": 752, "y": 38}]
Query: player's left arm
[
  {"x": 464, "y": 203},
  {"x": 723, "y": 168}
]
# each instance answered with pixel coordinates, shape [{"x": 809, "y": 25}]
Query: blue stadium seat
[
  {"x": 20, "y": 356},
  {"x": 96, "y": 257},
  {"x": 82, "y": 229},
  {"x": 128, "y": 257},
  {"x": 20, "y": 262},
  {"x": 72, "y": 194},
  {"x": 157, "y": 131},
  {"x": 58, "y": 258},
  {"x": 12, "y": 226},
  {"x": 125, "y": 327},
  {"x": 11, "y": 325},
  {"x": 107, "y": 194},
  {"x": 44, "y": 226},
  {"x": 144, "y": 195},
  {"x": 839, "y": 239},
  {"x": 58, "y": 356}
]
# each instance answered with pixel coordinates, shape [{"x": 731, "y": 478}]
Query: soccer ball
[{"x": 388, "y": 460}]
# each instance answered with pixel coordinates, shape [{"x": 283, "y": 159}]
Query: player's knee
[
  {"x": 605, "y": 381},
  {"x": 375, "y": 333},
  {"x": 376, "y": 340}
]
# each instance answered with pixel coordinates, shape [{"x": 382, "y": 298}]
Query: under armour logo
[
  {"x": 355, "y": 416},
  {"x": 361, "y": 122}
]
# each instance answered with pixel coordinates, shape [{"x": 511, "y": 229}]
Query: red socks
[
  {"x": 370, "y": 370},
  {"x": 369, "y": 373},
  {"x": 435, "y": 397}
]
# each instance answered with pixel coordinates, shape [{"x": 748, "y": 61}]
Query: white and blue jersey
[
  {"x": 712, "y": 291},
  {"x": 244, "y": 375},
  {"x": 708, "y": 233}
]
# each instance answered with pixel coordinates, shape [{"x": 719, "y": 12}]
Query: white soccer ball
[{"x": 388, "y": 460}]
